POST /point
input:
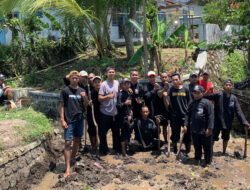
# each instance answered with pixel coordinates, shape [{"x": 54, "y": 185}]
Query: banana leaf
[
  {"x": 138, "y": 54},
  {"x": 136, "y": 25},
  {"x": 175, "y": 34}
]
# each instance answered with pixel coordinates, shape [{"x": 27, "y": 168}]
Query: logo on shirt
[
  {"x": 75, "y": 97},
  {"x": 200, "y": 111},
  {"x": 231, "y": 104},
  {"x": 179, "y": 93}
]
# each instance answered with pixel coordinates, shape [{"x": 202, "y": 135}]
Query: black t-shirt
[
  {"x": 123, "y": 109},
  {"x": 137, "y": 93},
  {"x": 179, "y": 101},
  {"x": 191, "y": 88},
  {"x": 73, "y": 104}
]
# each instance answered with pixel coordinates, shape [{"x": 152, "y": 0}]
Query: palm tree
[{"x": 70, "y": 9}]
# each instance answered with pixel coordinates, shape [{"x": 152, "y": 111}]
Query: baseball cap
[
  {"x": 97, "y": 77},
  {"x": 198, "y": 88},
  {"x": 74, "y": 73},
  {"x": 150, "y": 73},
  {"x": 2, "y": 77},
  {"x": 206, "y": 72},
  {"x": 83, "y": 73},
  {"x": 125, "y": 80},
  {"x": 193, "y": 74}
]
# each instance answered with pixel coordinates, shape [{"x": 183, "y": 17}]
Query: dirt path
[{"x": 145, "y": 171}]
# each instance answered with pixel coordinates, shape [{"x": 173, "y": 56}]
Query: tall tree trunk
[
  {"x": 107, "y": 25},
  {"x": 129, "y": 31},
  {"x": 152, "y": 54},
  {"x": 145, "y": 39}
]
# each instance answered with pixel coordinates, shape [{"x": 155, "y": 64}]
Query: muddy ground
[{"x": 142, "y": 170}]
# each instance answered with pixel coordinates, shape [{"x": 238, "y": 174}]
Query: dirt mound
[{"x": 9, "y": 137}]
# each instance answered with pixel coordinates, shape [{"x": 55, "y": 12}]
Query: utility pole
[{"x": 145, "y": 44}]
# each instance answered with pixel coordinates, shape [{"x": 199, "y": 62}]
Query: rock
[
  {"x": 117, "y": 181},
  {"x": 7, "y": 171},
  {"x": 56, "y": 131},
  {"x": 5, "y": 184},
  {"x": 13, "y": 182},
  {"x": 238, "y": 152}
]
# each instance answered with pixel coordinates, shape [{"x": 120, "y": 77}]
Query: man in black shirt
[
  {"x": 161, "y": 110},
  {"x": 125, "y": 114},
  {"x": 193, "y": 79},
  {"x": 136, "y": 91},
  {"x": 94, "y": 104},
  {"x": 73, "y": 102},
  {"x": 150, "y": 93},
  {"x": 200, "y": 119},
  {"x": 226, "y": 105},
  {"x": 146, "y": 132},
  {"x": 177, "y": 99}
]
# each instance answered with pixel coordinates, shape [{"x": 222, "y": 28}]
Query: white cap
[
  {"x": 83, "y": 73},
  {"x": 150, "y": 73}
]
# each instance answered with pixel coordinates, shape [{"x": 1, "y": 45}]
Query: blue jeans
[{"x": 74, "y": 129}]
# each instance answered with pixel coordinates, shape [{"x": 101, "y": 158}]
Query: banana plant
[{"x": 156, "y": 42}]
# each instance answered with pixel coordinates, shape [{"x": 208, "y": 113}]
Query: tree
[{"x": 62, "y": 9}]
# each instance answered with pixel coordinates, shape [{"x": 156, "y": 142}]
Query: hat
[
  {"x": 206, "y": 72},
  {"x": 198, "y": 88},
  {"x": 2, "y": 77},
  {"x": 126, "y": 80},
  {"x": 109, "y": 68},
  {"x": 193, "y": 74},
  {"x": 74, "y": 73},
  {"x": 97, "y": 77},
  {"x": 83, "y": 73},
  {"x": 150, "y": 73},
  {"x": 228, "y": 81}
]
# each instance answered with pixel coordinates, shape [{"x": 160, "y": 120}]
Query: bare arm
[
  {"x": 165, "y": 100},
  {"x": 63, "y": 122}
]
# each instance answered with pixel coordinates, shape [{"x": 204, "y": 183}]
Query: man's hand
[
  {"x": 64, "y": 124},
  {"x": 6, "y": 87},
  {"x": 111, "y": 96},
  {"x": 138, "y": 100},
  {"x": 83, "y": 94},
  {"x": 156, "y": 86},
  {"x": 165, "y": 94},
  {"x": 130, "y": 91},
  {"x": 208, "y": 132},
  {"x": 90, "y": 102},
  {"x": 166, "y": 85},
  {"x": 158, "y": 121},
  {"x": 185, "y": 129},
  {"x": 247, "y": 126},
  {"x": 128, "y": 102}
]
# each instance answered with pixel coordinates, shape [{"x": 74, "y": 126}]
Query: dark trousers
[
  {"x": 202, "y": 141},
  {"x": 106, "y": 123},
  {"x": 176, "y": 124}
]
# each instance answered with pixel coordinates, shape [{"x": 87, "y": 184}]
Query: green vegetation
[
  {"x": 37, "y": 124},
  {"x": 234, "y": 67}
]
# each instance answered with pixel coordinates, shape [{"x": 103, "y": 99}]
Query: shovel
[
  {"x": 181, "y": 140},
  {"x": 246, "y": 137},
  {"x": 168, "y": 137}
]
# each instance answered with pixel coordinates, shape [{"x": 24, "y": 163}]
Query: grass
[{"x": 37, "y": 124}]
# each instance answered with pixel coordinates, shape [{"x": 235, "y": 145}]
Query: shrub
[{"x": 234, "y": 67}]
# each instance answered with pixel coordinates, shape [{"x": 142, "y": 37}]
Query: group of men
[{"x": 142, "y": 108}]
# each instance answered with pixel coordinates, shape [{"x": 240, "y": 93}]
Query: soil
[
  {"x": 7, "y": 132},
  {"x": 143, "y": 170}
]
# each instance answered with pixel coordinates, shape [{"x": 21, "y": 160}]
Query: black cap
[
  {"x": 2, "y": 77},
  {"x": 126, "y": 80},
  {"x": 193, "y": 74},
  {"x": 228, "y": 81},
  {"x": 109, "y": 68},
  {"x": 198, "y": 88}
]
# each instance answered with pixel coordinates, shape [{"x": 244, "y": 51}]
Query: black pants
[
  {"x": 202, "y": 141},
  {"x": 106, "y": 123},
  {"x": 176, "y": 124}
]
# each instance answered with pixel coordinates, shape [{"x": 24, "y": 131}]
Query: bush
[{"x": 234, "y": 67}]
